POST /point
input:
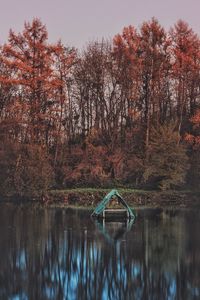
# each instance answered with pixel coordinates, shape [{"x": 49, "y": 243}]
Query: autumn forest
[{"x": 120, "y": 112}]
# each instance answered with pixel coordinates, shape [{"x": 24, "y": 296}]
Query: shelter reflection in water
[{"x": 113, "y": 231}]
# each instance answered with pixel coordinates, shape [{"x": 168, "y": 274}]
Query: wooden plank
[
  {"x": 115, "y": 210},
  {"x": 115, "y": 213}
]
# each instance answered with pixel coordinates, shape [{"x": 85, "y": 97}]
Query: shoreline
[
  {"x": 134, "y": 198},
  {"x": 88, "y": 198}
]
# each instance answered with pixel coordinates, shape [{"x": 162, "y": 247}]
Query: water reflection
[
  {"x": 57, "y": 254},
  {"x": 113, "y": 231}
]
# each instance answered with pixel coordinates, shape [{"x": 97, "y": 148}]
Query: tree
[
  {"x": 193, "y": 140},
  {"x": 126, "y": 55},
  {"x": 64, "y": 60},
  {"x": 33, "y": 103},
  {"x": 25, "y": 170},
  {"x": 185, "y": 56},
  {"x": 168, "y": 161},
  {"x": 145, "y": 60},
  {"x": 153, "y": 49},
  {"x": 30, "y": 61},
  {"x": 194, "y": 137}
]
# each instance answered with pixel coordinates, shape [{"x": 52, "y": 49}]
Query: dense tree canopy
[{"x": 98, "y": 117}]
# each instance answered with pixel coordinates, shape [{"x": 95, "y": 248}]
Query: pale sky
[{"x": 77, "y": 22}]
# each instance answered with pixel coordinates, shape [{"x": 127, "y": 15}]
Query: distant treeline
[{"x": 120, "y": 112}]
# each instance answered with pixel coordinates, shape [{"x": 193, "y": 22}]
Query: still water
[{"x": 64, "y": 254}]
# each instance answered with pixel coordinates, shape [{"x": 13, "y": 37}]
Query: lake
[{"x": 64, "y": 254}]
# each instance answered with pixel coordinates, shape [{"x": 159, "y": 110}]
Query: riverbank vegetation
[
  {"x": 124, "y": 112},
  {"x": 89, "y": 198}
]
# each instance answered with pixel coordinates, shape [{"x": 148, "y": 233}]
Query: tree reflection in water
[{"x": 57, "y": 254}]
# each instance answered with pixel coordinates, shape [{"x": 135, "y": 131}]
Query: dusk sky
[{"x": 77, "y": 22}]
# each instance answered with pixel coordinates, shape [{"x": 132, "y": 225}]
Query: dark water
[{"x": 59, "y": 254}]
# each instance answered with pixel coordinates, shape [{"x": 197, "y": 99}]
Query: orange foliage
[
  {"x": 194, "y": 139},
  {"x": 32, "y": 65},
  {"x": 94, "y": 112}
]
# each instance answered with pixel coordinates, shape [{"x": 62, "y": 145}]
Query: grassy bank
[{"x": 89, "y": 197}]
